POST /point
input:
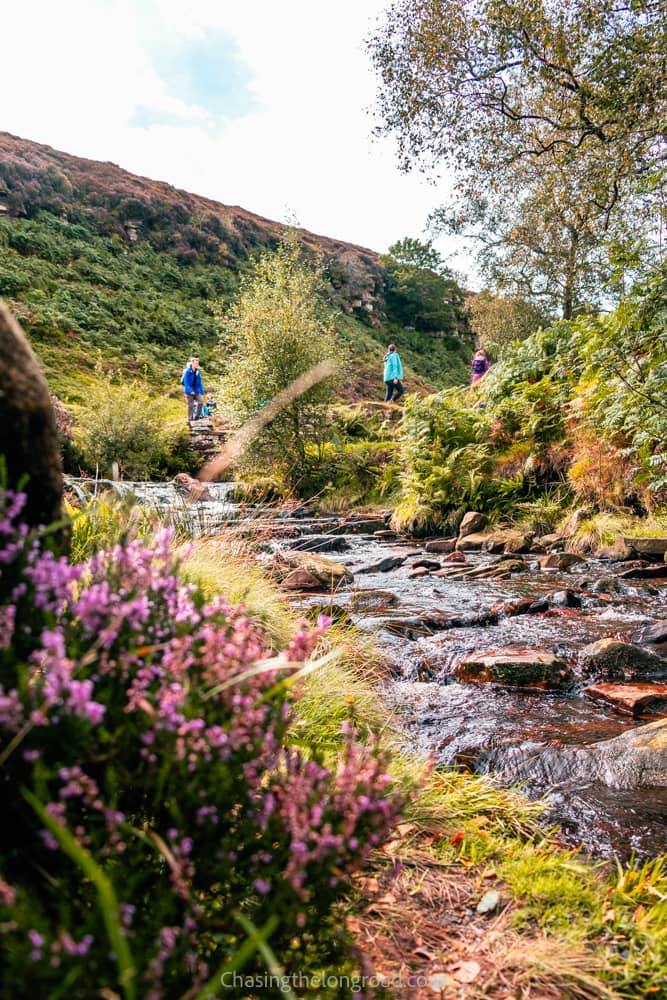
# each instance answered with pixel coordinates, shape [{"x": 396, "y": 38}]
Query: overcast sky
[{"x": 266, "y": 104}]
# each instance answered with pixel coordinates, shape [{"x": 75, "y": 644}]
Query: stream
[{"x": 486, "y": 728}]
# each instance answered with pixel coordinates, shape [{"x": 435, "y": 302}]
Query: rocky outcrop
[
  {"x": 28, "y": 433},
  {"x": 329, "y": 574},
  {"x": 517, "y": 667},
  {"x": 510, "y": 541},
  {"x": 647, "y": 548}
]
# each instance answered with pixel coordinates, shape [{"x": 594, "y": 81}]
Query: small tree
[
  {"x": 280, "y": 327},
  {"x": 420, "y": 291}
]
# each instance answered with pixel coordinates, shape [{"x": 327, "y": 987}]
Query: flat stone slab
[
  {"x": 515, "y": 666},
  {"x": 649, "y": 547},
  {"x": 630, "y": 699},
  {"x": 471, "y": 543},
  {"x": 658, "y": 572},
  {"x": 372, "y": 600}
]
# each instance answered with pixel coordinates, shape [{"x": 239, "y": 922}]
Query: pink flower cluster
[{"x": 153, "y": 727}]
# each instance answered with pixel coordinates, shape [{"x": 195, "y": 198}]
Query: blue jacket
[
  {"x": 192, "y": 381},
  {"x": 392, "y": 367}
]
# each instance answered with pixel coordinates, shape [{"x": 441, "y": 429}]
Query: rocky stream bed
[{"x": 508, "y": 656}]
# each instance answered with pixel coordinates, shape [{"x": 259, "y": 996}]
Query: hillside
[{"x": 108, "y": 270}]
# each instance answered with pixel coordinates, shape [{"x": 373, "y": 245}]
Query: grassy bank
[{"x": 562, "y": 926}]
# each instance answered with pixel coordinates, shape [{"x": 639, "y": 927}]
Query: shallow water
[{"x": 485, "y": 728}]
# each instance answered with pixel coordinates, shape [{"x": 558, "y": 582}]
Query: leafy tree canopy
[{"x": 420, "y": 291}]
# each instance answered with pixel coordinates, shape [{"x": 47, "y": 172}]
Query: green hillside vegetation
[{"x": 575, "y": 413}]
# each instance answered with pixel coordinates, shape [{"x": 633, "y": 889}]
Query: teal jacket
[{"x": 392, "y": 367}]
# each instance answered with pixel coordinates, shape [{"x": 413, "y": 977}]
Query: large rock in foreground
[
  {"x": 635, "y": 758},
  {"x": 515, "y": 666},
  {"x": 28, "y": 435}
]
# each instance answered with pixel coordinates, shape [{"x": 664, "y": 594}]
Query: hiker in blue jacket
[
  {"x": 393, "y": 373},
  {"x": 193, "y": 387}
]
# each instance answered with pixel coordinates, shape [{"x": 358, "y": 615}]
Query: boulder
[
  {"x": 552, "y": 540},
  {"x": 440, "y": 545},
  {"x": 191, "y": 488},
  {"x": 515, "y": 666},
  {"x": 28, "y": 434},
  {"x": 372, "y": 600},
  {"x": 471, "y": 543},
  {"x": 561, "y": 560},
  {"x": 564, "y": 599},
  {"x": 384, "y": 565},
  {"x": 651, "y": 635},
  {"x": 618, "y": 551},
  {"x": 611, "y": 660},
  {"x": 471, "y": 523},
  {"x": 510, "y": 609},
  {"x": 634, "y": 759},
  {"x": 630, "y": 699},
  {"x": 426, "y": 564},
  {"x": 454, "y": 557},
  {"x": 301, "y": 579},
  {"x": 647, "y": 548},
  {"x": 509, "y": 541},
  {"x": 330, "y": 574}
]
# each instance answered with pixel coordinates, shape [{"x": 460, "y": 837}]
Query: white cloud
[{"x": 78, "y": 72}]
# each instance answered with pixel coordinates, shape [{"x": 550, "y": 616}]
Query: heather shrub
[{"x": 157, "y": 811}]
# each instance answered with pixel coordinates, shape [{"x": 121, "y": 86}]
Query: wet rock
[
  {"x": 630, "y": 699},
  {"x": 537, "y": 607},
  {"x": 509, "y": 541},
  {"x": 301, "y": 579},
  {"x": 617, "y": 552},
  {"x": 647, "y": 548},
  {"x": 515, "y": 666},
  {"x": 426, "y": 564},
  {"x": 654, "y": 634},
  {"x": 645, "y": 573},
  {"x": 611, "y": 659},
  {"x": 500, "y": 568},
  {"x": 440, "y": 545},
  {"x": 385, "y": 565},
  {"x": 319, "y": 543},
  {"x": 511, "y": 609},
  {"x": 411, "y": 628},
  {"x": 636, "y": 758},
  {"x": 454, "y": 557},
  {"x": 359, "y": 526},
  {"x": 561, "y": 560},
  {"x": 564, "y": 599},
  {"x": 553, "y": 540},
  {"x": 471, "y": 523},
  {"x": 416, "y": 574},
  {"x": 471, "y": 543},
  {"x": 385, "y": 533},
  {"x": 605, "y": 585},
  {"x": 372, "y": 600},
  {"x": 330, "y": 574},
  {"x": 191, "y": 488}
]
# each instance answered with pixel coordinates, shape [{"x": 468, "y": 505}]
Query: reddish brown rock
[
  {"x": 454, "y": 557},
  {"x": 472, "y": 543},
  {"x": 630, "y": 699},
  {"x": 420, "y": 571},
  {"x": 515, "y": 666},
  {"x": 192, "y": 488},
  {"x": 561, "y": 560},
  {"x": 440, "y": 545},
  {"x": 471, "y": 523},
  {"x": 301, "y": 579}
]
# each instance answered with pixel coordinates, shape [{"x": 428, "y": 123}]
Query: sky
[{"x": 267, "y": 104}]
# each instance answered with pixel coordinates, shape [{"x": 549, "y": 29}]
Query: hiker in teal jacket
[{"x": 393, "y": 373}]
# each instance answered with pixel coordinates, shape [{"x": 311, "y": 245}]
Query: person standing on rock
[
  {"x": 393, "y": 373},
  {"x": 193, "y": 387}
]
